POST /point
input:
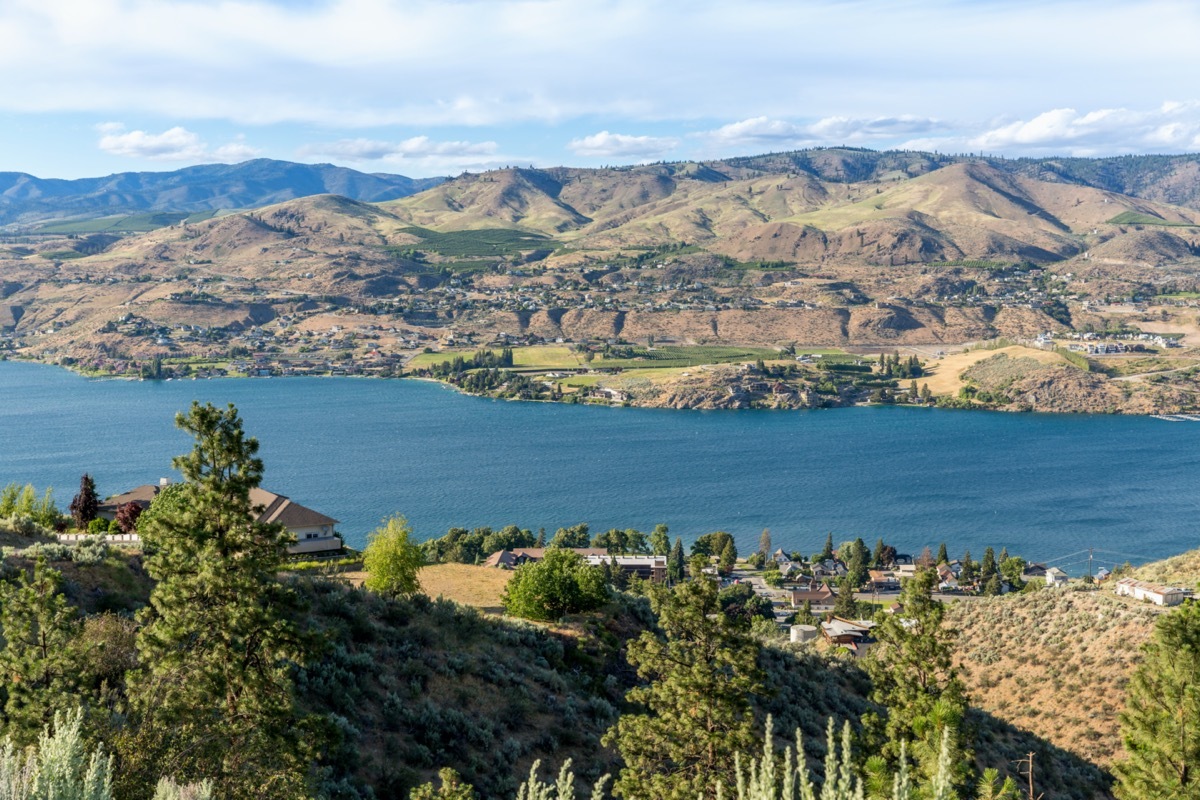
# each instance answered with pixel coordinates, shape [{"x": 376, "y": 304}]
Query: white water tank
[{"x": 804, "y": 633}]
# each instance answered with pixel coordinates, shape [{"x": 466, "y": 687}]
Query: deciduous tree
[
  {"x": 392, "y": 560},
  {"x": 561, "y": 583}
]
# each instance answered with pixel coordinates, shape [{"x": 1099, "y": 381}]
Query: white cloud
[
  {"x": 348, "y": 64},
  {"x": 1173, "y": 126},
  {"x": 620, "y": 145},
  {"x": 173, "y": 144},
  {"x": 417, "y": 147},
  {"x": 761, "y": 132},
  {"x": 775, "y": 133}
]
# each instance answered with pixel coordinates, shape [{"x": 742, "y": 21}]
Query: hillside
[{"x": 27, "y": 199}]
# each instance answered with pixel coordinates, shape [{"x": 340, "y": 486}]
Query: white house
[
  {"x": 1056, "y": 577},
  {"x": 1151, "y": 592}
]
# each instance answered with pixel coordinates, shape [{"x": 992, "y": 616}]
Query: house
[
  {"x": 1056, "y": 577},
  {"x": 648, "y": 568},
  {"x": 883, "y": 580},
  {"x": 819, "y": 597},
  {"x": 140, "y": 496},
  {"x": 854, "y": 635},
  {"x": 947, "y": 580},
  {"x": 779, "y": 557},
  {"x": 1034, "y": 572},
  {"x": 1151, "y": 592},
  {"x": 314, "y": 532}
]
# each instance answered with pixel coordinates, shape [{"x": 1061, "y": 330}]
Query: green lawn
[
  {"x": 482, "y": 242},
  {"x": 1134, "y": 218}
]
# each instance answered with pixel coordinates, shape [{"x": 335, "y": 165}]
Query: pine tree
[
  {"x": 877, "y": 556},
  {"x": 41, "y": 662},
  {"x": 827, "y": 553},
  {"x": 676, "y": 564},
  {"x": 727, "y": 558},
  {"x": 1161, "y": 721},
  {"x": 541, "y": 539},
  {"x": 915, "y": 683},
  {"x": 700, "y": 672},
  {"x": 660, "y": 543},
  {"x": 968, "y": 569},
  {"x": 213, "y": 697},
  {"x": 85, "y": 505},
  {"x": 943, "y": 557},
  {"x": 987, "y": 567}
]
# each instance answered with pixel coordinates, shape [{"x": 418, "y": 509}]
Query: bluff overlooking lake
[{"x": 1043, "y": 485}]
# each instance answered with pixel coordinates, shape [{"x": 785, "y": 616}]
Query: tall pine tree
[
  {"x": 213, "y": 697},
  {"x": 700, "y": 672},
  {"x": 41, "y": 661},
  {"x": 1161, "y": 721}
]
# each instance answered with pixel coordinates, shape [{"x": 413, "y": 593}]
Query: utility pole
[{"x": 1090, "y": 573}]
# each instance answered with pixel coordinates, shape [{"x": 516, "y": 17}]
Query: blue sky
[{"x": 423, "y": 88}]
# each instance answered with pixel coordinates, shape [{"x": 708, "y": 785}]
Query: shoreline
[{"x": 944, "y": 403}]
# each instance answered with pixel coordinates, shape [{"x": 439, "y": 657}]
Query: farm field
[{"x": 680, "y": 356}]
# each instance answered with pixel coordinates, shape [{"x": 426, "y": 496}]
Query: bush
[{"x": 561, "y": 583}]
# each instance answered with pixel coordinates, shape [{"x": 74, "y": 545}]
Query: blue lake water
[{"x": 1045, "y": 486}]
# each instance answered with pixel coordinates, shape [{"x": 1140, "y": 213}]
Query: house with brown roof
[
  {"x": 819, "y": 597},
  {"x": 315, "y": 533}
]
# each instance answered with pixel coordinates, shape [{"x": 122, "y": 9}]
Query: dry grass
[
  {"x": 1054, "y": 663},
  {"x": 466, "y": 584},
  {"x": 1181, "y": 570},
  {"x": 945, "y": 375}
]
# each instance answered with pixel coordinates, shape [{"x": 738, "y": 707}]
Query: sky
[{"x": 421, "y": 88}]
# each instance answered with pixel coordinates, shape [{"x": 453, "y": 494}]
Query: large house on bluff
[{"x": 315, "y": 533}]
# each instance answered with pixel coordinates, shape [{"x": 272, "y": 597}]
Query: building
[
  {"x": 314, "y": 532},
  {"x": 1056, "y": 577},
  {"x": 1151, "y": 592},
  {"x": 854, "y": 635},
  {"x": 819, "y": 597},
  {"x": 648, "y": 568},
  {"x": 651, "y": 568}
]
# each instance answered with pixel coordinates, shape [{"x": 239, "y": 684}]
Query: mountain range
[{"x": 27, "y": 199}]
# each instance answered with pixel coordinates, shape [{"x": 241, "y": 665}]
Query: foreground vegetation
[{"x": 199, "y": 668}]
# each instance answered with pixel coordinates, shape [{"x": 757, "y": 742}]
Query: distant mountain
[
  {"x": 843, "y": 206},
  {"x": 210, "y": 187}
]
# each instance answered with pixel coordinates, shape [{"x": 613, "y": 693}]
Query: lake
[{"x": 1045, "y": 486}]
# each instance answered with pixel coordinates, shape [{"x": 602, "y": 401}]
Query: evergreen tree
[
  {"x": 727, "y": 558},
  {"x": 86, "y": 504},
  {"x": 992, "y": 586},
  {"x": 987, "y": 567},
  {"x": 676, "y": 564},
  {"x": 541, "y": 539},
  {"x": 943, "y": 557},
  {"x": 856, "y": 563},
  {"x": 1161, "y": 721},
  {"x": 968, "y": 569},
  {"x": 41, "y": 662},
  {"x": 700, "y": 671},
  {"x": 660, "y": 543},
  {"x": 827, "y": 553},
  {"x": 213, "y": 697},
  {"x": 915, "y": 683},
  {"x": 844, "y": 605},
  {"x": 764, "y": 543},
  {"x": 877, "y": 556}
]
